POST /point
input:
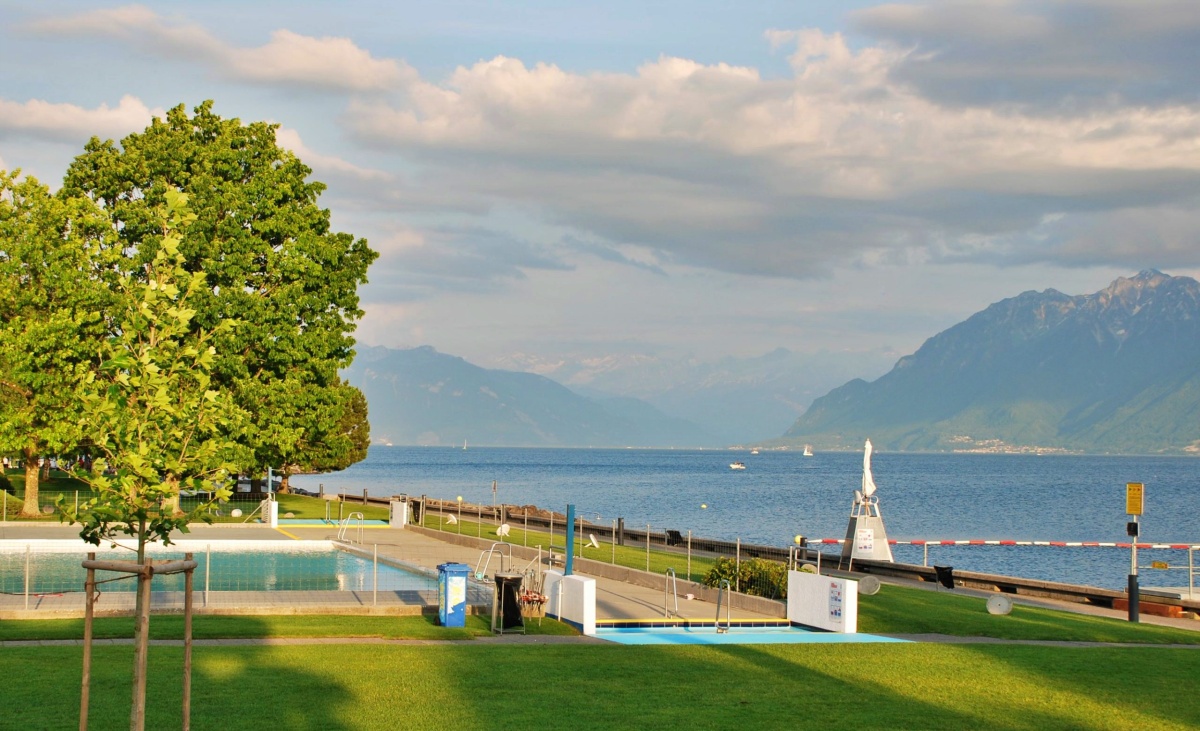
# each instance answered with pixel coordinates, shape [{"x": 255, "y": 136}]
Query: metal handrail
[
  {"x": 504, "y": 566},
  {"x": 346, "y": 524},
  {"x": 670, "y": 584},
  {"x": 722, "y": 589}
]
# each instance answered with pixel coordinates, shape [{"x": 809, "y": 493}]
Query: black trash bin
[
  {"x": 945, "y": 575},
  {"x": 506, "y": 604}
]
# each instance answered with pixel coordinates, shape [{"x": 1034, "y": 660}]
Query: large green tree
[
  {"x": 52, "y": 300},
  {"x": 272, "y": 262}
]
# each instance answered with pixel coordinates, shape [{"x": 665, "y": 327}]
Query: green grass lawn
[
  {"x": 901, "y": 610},
  {"x": 170, "y": 627},
  {"x": 474, "y": 686},
  {"x": 477, "y": 686},
  {"x": 302, "y": 506}
]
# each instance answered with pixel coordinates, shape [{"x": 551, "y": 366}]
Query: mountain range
[
  {"x": 423, "y": 397},
  {"x": 1115, "y": 371}
]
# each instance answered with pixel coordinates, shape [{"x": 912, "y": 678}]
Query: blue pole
[{"x": 569, "y": 565}]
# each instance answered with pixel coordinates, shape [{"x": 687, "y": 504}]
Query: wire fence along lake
[{"x": 782, "y": 494}]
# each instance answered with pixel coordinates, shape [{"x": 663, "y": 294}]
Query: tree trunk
[
  {"x": 284, "y": 486},
  {"x": 30, "y": 508},
  {"x": 172, "y": 503},
  {"x": 141, "y": 636}
]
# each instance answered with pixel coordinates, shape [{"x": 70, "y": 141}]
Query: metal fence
[
  {"x": 241, "y": 507},
  {"x": 750, "y": 569},
  {"x": 47, "y": 575}
]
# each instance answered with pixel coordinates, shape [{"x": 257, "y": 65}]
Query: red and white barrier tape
[{"x": 1056, "y": 544}]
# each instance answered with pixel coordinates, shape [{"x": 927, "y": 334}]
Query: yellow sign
[
  {"x": 1134, "y": 492},
  {"x": 1159, "y": 565}
]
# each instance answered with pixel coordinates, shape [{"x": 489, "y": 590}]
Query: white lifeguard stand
[{"x": 866, "y": 538}]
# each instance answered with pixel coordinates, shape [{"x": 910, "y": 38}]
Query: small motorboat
[{"x": 737, "y": 466}]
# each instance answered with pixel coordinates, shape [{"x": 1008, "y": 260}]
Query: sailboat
[
  {"x": 464, "y": 445},
  {"x": 808, "y": 450}
]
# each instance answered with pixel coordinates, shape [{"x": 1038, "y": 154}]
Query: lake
[{"x": 781, "y": 494}]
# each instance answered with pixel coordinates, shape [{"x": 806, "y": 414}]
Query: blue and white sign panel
[
  {"x": 823, "y": 602},
  {"x": 865, "y": 542}
]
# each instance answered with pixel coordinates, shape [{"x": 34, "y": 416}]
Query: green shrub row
[{"x": 756, "y": 576}]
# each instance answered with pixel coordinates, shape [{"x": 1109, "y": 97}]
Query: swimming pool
[
  {"x": 54, "y": 566},
  {"x": 735, "y": 636}
]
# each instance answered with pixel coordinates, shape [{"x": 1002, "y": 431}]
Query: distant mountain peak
[{"x": 1116, "y": 370}]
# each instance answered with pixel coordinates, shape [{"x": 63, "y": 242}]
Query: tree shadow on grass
[{"x": 233, "y": 687}]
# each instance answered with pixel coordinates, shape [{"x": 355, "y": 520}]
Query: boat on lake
[
  {"x": 808, "y": 450},
  {"x": 737, "y": 466}
]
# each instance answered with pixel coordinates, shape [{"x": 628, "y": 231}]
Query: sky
[{"x": 553, "y": 180}]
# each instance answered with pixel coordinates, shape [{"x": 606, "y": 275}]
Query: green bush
[{"x": 756, "y": 576}]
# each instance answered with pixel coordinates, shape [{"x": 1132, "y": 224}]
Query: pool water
[
  {"x": 735, "y": 636},
  {"x": 226, "y": 567}
]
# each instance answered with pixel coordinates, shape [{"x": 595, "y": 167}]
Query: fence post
[
  {"x": 647, "y": 547},
  {"x": 77, "y": 502},
  {"x": 27, "y": 576},
  {"x": 526, "y": 531},
  {"x": 207, "y": 570},
  {"x": 614, "y": 543},
  {"x": 364, "y": 496},
  {"x": 689, "y": 554},
  {"x": 479, "y": 521},
  {"x": 737, "y": 576}
]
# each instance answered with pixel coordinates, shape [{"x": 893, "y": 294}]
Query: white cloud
[
  {"x": 716, "y": 166},
  {"x": 287, "y": 59},
  {"x": 289, "y": 139},
  {"x": 71, "y": 123}
]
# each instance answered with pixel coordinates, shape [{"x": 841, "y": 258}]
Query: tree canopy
[
  {"x": 52, "y": 304},
  {"x": 272, "y": 262},
  {"x": 153, "y": 415}
]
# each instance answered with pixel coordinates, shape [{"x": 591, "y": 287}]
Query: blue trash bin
[{"x": 452, "y": 594}]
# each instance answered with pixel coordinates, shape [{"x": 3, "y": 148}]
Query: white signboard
[
  {"x": 823, "y": 602},
  {"x": 865, "y": 540}
]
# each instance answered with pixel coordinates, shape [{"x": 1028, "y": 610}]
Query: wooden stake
[
  {"x": 187, "y": 645},
  {"x": 89, "y": 588}
]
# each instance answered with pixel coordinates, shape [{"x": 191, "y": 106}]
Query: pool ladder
[
  {"x": 503, "y": 550},
  {"x": 346, "y": 524},
  {"x": 670, "y": 588},
  {"x": 723, "y": 590}
]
